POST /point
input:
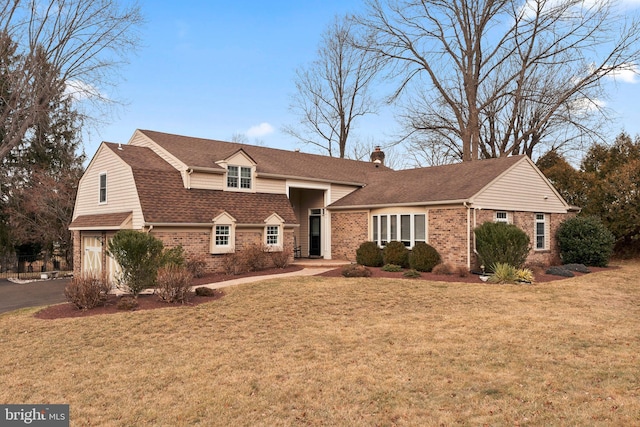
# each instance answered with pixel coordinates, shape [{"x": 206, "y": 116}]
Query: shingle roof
[
  {"x": 100, "y": 220},
  {"x": 164, "y": 199},
  {"x": 425, "y": 185},
  {"x": 204, "y": 153}
]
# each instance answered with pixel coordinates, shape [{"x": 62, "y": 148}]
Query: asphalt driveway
[{"x": 41, "y": 292}]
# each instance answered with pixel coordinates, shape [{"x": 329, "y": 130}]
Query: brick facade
[
  {"x": 447, "y": 233},
  {"x": 348, "y": 231}
]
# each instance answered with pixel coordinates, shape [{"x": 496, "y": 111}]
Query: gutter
[
  {"x": 302, "y": 178},
  {"x": 394, "y": 205},
  {"x": 205, "y": 224}
]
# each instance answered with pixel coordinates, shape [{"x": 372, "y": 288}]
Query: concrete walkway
[{"x": 311, "y": 271}]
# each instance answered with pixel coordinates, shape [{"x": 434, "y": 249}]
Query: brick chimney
[{"x": 377, "y": 156}]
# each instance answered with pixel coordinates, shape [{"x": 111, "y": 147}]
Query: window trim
[
  {"x": 241, "y": 180},
  {"x": 544, "y": 235},
  {"x": 274, "y": 220},
  {"x": 223, "y": 220},
  {"x": 503, "y": 220},
  {"x": 101, "y": 189},
  {"x": 378, "y": 220}
]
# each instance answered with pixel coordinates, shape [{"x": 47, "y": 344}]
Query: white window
[
  {"x": 541, "y": 231},
  {"x": 273, "y": 235},
  {"x": 102, "y": 198},
  {"x": 407, "y": 228},
  {"x": 239, "y": 177},
  {"x": 223, "y": 232},
  {"x": 501, "y": 216}
]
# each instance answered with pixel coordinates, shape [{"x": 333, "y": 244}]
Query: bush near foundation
[
  {"x": 500, "y": 243},
  {"x": 355, "y": 270},
  {"x": 424, "y": 257},
  {"x": 369, "y": 254},
  {"x": 396, "y": 253}
]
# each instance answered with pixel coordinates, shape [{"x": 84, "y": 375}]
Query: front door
[{"x": 314, "y": 235}]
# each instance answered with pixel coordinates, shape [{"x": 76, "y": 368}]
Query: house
[{"x": 215, "y": 198}]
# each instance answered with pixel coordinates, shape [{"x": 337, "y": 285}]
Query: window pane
[
  {"x": 501, "y": 217},
  {"x": 405, "y": 229},
  {"x": 245, "y": 180},
  {"x": 394, "y": 227},
  {"x": 383, "y": 230},
  {"x": 420, "y": 234},
  {"x": 222, "y": 235},
  {"x": 272, "y": 234},
  {"x": 103, "y": 188},
  {"x": 375, "y": 229},
  {"x": 232, "y": 176}
]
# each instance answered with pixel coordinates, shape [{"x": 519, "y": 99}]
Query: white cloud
[
  {"x": 260, "y": 130},
  {"x": 80, "y": 90},
  {"x": 629, "y": 74}
]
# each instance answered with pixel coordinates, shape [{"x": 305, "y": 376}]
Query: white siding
[
  {"x": 265, "y": 185},
  {"x": 207, "y": 181},
  {"x": 239, "y": 159},
  {"x": 121, "y": 190},
  {"x": 522, "y": 188},
  {"x": 339, "y": 191}
]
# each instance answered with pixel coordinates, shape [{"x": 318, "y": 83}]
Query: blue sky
[{"x": 213, "y": 69}]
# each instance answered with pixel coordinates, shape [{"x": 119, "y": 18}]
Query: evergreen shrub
[
  {"x": 369, "y": 254},
  {"x": 500, "y": 243},
  {"x": 396, "y": 253},
  {"x": 585, "y": 240},
  {"x": 424, "y": 257}
]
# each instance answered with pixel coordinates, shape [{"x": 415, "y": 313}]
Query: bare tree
[
  {"x": 76, "y": 44},
  {"x": 499, "y": 77},
  {"x": 333, "y": 91}
]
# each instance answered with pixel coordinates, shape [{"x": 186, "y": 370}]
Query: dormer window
[{"x": 239, "y": 177}]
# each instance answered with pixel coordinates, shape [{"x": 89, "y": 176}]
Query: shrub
[
  {"x": 139, "y": 255},
  {"x": 173, "y": 256},
  {"x": 127, "y": 302},
  {"x": 196, "y": 264},
  {"x": 255, "y": 257},
  {"x": 369, "y": 254},
  {"x": 86, "y": 292},
  {"x": 462, "y": 271},
  {"x": 396, "y": 253},
  {"x": 411, "y": 274},
  {"x": 442, "y": 269},
  {"x": 503, "y": 273},
  {"x": 203, "y": 291},
  {"x": 281, "y": 259},
  {"x": 424, "y": 257},
  {"x": 393, "y": 268},
  {"x": 356, "y": 270},
  {"x": 524, "y": 275},
  {"x": 233, "y": 264},
  {"x": 174, "y": 284},
  {"x": 585, "y": 240},
  {"x": 500, "y": 243}
]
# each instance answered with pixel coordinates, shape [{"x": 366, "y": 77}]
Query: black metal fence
[{"x": 33, "y": 267}]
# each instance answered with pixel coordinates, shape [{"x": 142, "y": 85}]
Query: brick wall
[
  {"x": 348, "y": 231},
  {"x": 526, "y": 222},
  {"x": 447, "y": 233}
]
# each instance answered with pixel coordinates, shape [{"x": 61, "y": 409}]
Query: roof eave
[
  {"x": 304, "y": 178},
  {"x": 405, "y": 204}
]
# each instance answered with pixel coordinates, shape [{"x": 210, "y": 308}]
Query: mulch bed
[
  {"x": 377, "y": 272},
  {"x": 150, "y": 302}
]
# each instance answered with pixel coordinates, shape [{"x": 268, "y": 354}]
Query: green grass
[{"x": 338, "y": 351}]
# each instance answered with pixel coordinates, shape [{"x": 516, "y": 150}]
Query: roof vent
[{"x": 120, "y": 147}]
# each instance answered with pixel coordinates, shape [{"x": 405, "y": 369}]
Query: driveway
[{"x": 32, "y": 294}]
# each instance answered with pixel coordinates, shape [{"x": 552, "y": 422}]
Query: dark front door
[{"x": 314, "y": 235}]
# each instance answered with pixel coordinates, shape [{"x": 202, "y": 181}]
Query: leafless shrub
[
  {"x": 87, "y": 291},
  {"x": 196, "y": 265},
  {"x": 174, "y": 284},
  {"x": 281, "y": 259}
]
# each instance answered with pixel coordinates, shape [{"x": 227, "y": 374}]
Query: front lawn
[{"x": 336, "y": 351}]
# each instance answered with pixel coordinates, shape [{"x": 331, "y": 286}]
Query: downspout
[{"x": 468, "y": 235}]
